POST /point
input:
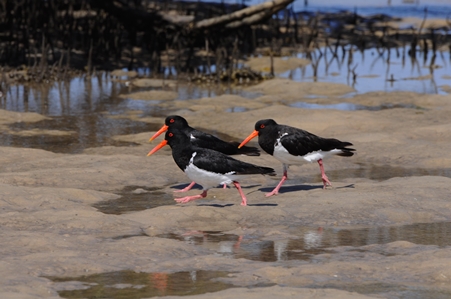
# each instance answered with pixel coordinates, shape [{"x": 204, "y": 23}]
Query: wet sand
[{"x": 51, "y": 228}]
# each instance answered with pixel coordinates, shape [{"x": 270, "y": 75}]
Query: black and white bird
[
  {"x": 204, "y": 140},
  {"x": 293, "y": 146},
  {"x": 207, "y": 167}
]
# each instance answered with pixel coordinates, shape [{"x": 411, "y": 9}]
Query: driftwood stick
[
  {"x": 255, "y": 18},
  {"x": 263, "y": 10}
]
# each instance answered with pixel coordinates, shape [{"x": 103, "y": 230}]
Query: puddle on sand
[
  {"x": 390, "y": 70},
  {"x": 87, "y": 131},
  {"x": 236, "y": 109},
  {"x": 312, "y": 179},
  {"x": 135, "y": 198},
  {"x": 382, "y": 172},
  {"x": 349, "y": 106},
  {"x": 80, "y": 105},
  {"x": 393, "y": 291},
  {"x": 311, "y": 242},
  {"x": 131, "y": 285}
]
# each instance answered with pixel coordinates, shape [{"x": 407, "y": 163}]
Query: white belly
[
  {"x": 281, "y": 154},
  {"x": 207, "y": 179}
]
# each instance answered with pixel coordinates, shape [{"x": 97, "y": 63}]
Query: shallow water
[
  {"x": 392, "y": 291},
  {"x": 131, "y": 285},
  {"x": 348, "y": 106},
  {"x": 384, "y": 172},
  {"x": 88, "y": 130},
  {"x": 305, "y": 244},
  {"x": 313, "y": 241},
  {"x": 396, "y": 8},
  {"x": 133, "y": 199},
  {"x": 390, "y": 70}
]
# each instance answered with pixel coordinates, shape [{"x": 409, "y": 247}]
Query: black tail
[
  {"x": 244, "y": 168},
  {"x": 346, "y": 152},
  {"x": 267, "y": 170},
  {"x": 246, "y": 150}
]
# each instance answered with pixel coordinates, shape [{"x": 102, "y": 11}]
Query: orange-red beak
[
  {"x": 163, "y": 129},
  {"x": 159, "y": 146},
  {"x": 253, "y": 134}
]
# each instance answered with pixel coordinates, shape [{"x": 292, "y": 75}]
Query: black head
[
  {"x": 174, "y": 136},
  {"x": 175, "y": 121},
  {"x": 264, "y": 124}
]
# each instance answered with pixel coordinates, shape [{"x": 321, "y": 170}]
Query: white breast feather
[{"x": 207, "y": 179}]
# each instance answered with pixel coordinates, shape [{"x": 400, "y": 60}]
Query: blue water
[
  {"x": 397, "y": 8},
  {"x": 394, "y": 8},
  {"x": 392, "y": 70}
]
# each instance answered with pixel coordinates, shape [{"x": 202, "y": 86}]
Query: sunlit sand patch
[
  {"x": 417, "y": 22},
  {"x": 35, "y": 132},
  {"x": 122, "y": 73},
  {"x": 446, "y": 88},
  {"x": 9, "y": 117},
  {"x": 263, "y": 64},
  {"x": 219, "y": 104},
  {"x": 141, "y": 138},
  {"x": 155, "y": 95},
  {"x": 145, "y": 82},
  {"x": 291, "y": 90}
]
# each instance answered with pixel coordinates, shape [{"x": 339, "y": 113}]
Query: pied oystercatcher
[
  {"x": 207, "y": 167},
  {"x": 201, "y": 139},
  {"x": 291, "y": 146}
]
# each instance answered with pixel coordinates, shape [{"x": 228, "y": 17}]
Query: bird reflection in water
[{"x": 249, "y": 247}]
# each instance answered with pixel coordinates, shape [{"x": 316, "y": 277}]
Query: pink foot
[
  {"x": 186, "y": 188},
  {"x": 276, "y": 190},
  {"x": 243, "y": 197},
  {"x": 273, "y": 192},
  {"x": 190, "y": 198},
  {"x": 326, "y": 181},
  {"x": 324, "y": 177}
]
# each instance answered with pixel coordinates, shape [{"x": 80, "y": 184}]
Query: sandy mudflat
[{"x": 400, "y": 176}]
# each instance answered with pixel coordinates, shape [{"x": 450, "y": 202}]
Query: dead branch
[{"x": 246, "y": 16}]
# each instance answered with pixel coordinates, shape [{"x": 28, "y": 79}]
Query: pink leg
[
  {"x": 190, "y": 198},
  {"x": 236, "y": 246},
  {"x": 276, "y": 190},
  {"x": 186, "y": 188},
  {"x": 243, "y": 197},
  {"x": 225, "y": 186},
  {"x": 324, "y": 177}
]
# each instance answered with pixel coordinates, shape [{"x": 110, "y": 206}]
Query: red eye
[
  {"x": 262, "y": 126},
  {"x": 170, "y": 134},
  {"x": 172, "y": 120}
]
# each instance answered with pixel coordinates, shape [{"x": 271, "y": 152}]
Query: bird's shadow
[
  {"x": 199, "y": 187},
  {"x": 347, "y": 186},
  {"x": 263, "y": 205},
  {"x": 294, "y": 188},
  {"x": 181, "y": 186},
  {"x": 215, "y": 205}
]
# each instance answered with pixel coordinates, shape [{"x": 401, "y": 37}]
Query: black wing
[
  {"x": 217, "y": 162},
  {"x": 205, "y": 140},
  {"x": 299, "y": 143}
]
